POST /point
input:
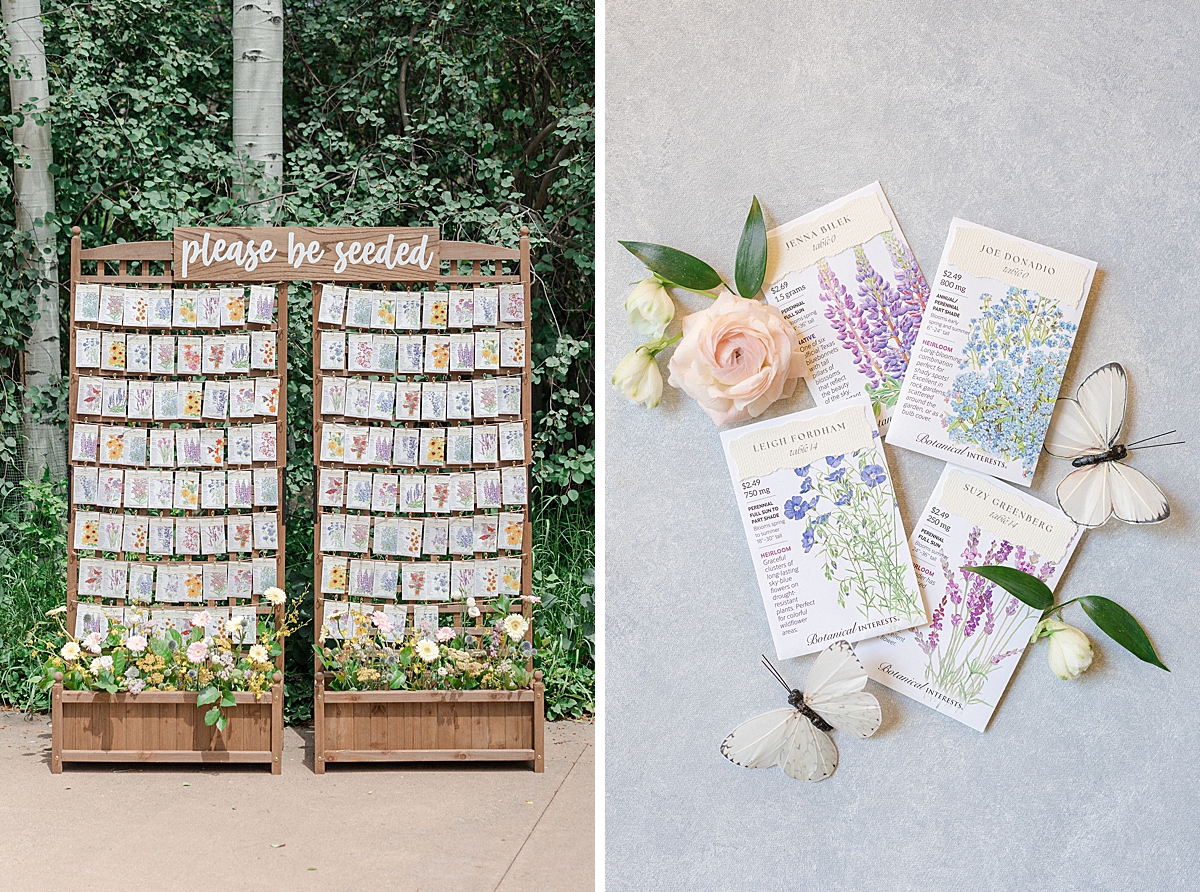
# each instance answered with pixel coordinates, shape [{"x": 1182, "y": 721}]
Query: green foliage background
[{"x": 476, "y": 117}]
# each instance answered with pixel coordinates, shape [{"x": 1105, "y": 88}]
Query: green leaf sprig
[{"x": 1110, "y": 617}]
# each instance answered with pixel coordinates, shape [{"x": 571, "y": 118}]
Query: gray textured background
[{"x": 1075, "y": 128}]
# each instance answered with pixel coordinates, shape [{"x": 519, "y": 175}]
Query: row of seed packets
[
  {"x": 174, "y": 581},
  {"x": 175, "y": 308},
  {"x": 178, "y": 400},
  {"x": 174, "y": 448},
  {"x": 423, "y": 401},
  {"x": 175, "y": 490},
  {"x": 422, "y": 580},
  {"x": 136, "y": 534},
  {"x": 480, "y": 351},
  {"x": 482, "y": 533},
  {"x": 340, "y": 620},
  {"x": 409, "y": 310},
  {"x": 422, "y": 447},
  {"x": 117, "y": 351},
  {"x": 236, "y": 623},
  {"x": 429, "y": 493}
]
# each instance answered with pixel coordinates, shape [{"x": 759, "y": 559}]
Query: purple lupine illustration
[
  {"x": 910, "y": 281},
  {"x": 981, "y": 634},
  {"x": 844, "y": 317}
]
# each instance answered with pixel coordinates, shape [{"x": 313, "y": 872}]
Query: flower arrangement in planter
[{"x": 371, "y": 656}]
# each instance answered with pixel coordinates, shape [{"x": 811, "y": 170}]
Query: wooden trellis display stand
[
  {"x": 118, "y": 485},
  {"x": 419, "y": 725}
]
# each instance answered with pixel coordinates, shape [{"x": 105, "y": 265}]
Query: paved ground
[{"x": 357, "y": 829}]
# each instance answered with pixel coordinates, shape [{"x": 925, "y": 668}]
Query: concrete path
[{"x": 422, "y": 828}]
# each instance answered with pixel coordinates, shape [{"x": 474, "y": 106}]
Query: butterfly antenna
[
  {"x": 787, "y": 687},
  {"x": 1147, "y": 439},
  {"x": 1152, "y": 445}
]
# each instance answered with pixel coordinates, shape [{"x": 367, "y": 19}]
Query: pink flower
[
  {"x": 381, "y": 621},
  {"x": 197, "y": 652},
  {"x": 444, "y": 634},
  {"x": 737, "y": 358},
  {"x": 201, "y": 620},
  {"x": 92, "y": 643}
]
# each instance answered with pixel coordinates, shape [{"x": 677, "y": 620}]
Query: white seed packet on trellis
[
  {"x": 408, "y": 402},
  {"x": 239, "y": 534},
  {"x": 141, "y": 583},
  {"x": 266, "y": 531},
  {"x": 212, "y": 490},
  {"x": 162, "y": 535},
  {"x": 166, "y": 401},
  {"x": 333, "y": 305},
  {"x": 116, "y": 396},
  {"x": 208, "y": 308},
  {"x": 961, "y": 663},
  {"x": 358, "y": 398},
  {"x": 262, "y": 305},
  {"x": 358, "y": 533},
  {"x": 190, "y": 355},
  {"x": 91, "y": 618},
  {"x": 333, "y": 442},
  {"x": 162, "y": 491},
  {"x": 362, "y": 578},
  {"x": 187, "y": 535},
  {"x": 85, "y": 442},
  {"x": 382, "y": 401},
  {"x": 458, "y": 400},
  {"x": 333, "y": 532},
  {"x": 436, "y": 536},
  {"x": 487, "y": 579},
  {"x": 486, "y": 306},
  {"x": 379, "y": 446},
  {"x": 216, "y": 400},
  {"x": 91, "y": 571},
  {"x": 112, "y": 351},
  {"x": 162, "y": 355},
  {"x": 333, "y": 396},
  {"x": 241, "y": 398},
  {"x": 383, "y": 354},
  {"x": 212, "y": 535},
  {"x": 360, "y": 352},
  {"x": 487, "y": 350},
  {"x": 511, "y": 531},
  {"x": 462, "y": 580},
  {"x": 358, "y": 443},
  {"x": 137, "y": 308},
  {"x": 383, "y": 310},
  {"x": 264, "y": 442},
  {"x": 168, "y": 586},
  {"x": 212, "y": 354},
  {"x": 462, "y": 492},
  {"x": 112, "y": 305},
  {"x": 212, "y": 447},
  {"x": 461, "y": 309},
  {"x": 358, "y": 308},
  {"x": 216, "y": 587},
  {"x": 508, "y": 396},
  {"x": 406, "y": 447},
  {"x": 458, "y": 446},
  {"x": 333, "y": 350},
  {"x": 191, "y": 399},
  {"x": 110, "y": 532},
  {"x": 437, "y": 493},
  {"x": 266, "y": 573},
  {"x": 415, "y": 582},
  {"x": 433, "y": 401},
  {"x": 488, "y": 491},
  {"x": 410, "y": 354},
  {"x": 436, "y": 309},
  {"x": 485, "y": 439},
  {"x": 239, "y": 491},
  {"x": 183, "y": 314},
  {"x": 408, "y": 310},
  {"x": 237, "y": 353},
  {"x": 87, "y": 349},
  {"x": 806, "y": 482},
  {"x": 160, "y": 308},
  {"x": 386, "y": 536},
  {"x": 331, "y": 488},
  {"x": 85, "y": 486},
  {"x": 462, "y": 535},
  {"x": 87, "y": 303},
  {"x": 89, "y": 397},
  {"x": 110, "y": 487},
  {"x": 233, "y": 307},
  {"x": 486, "y": 398},
  {"x": 510, "y": 576},
  {"x": 512, "y": 441},
  {"x": 137, "y": 354},
  {"x": 514, "y": 483},
  {"x": 387, "y": 580},
  {"x": 512, "y": 348},
  {"x": 137, "y": 489},
  {"x": 409, "y": 534},
  {"x": 512, "y": 303},
  {"x": 263, "y": 350},
  {"x": 266, "y": 397},
  {"x": 358, "y": 490},
  {"x": 433, "y": 446},
  {"x": 412, "y": 493},
  {"x": 135, "y": 447},
  {"x": 437, "y": 354},
  {"x": 266, "y": 487},
  {"x": 187, "y": 490},
  {"x": 243, "y": 618},
  {"x": 484, "y": 528},
  {"x": 239, "y": 441},
  {"x": 462, "y": 352},
  {"x": 162, "y": 448}
]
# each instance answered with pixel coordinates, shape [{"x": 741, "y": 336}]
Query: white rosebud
[
  {"x": 638, "y": 378},
  {"x": 1070, "y": 650},
  {"x": 650, "y": 308}
]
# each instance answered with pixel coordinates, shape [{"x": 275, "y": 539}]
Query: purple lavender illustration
[{"x": 984, "y": 624}]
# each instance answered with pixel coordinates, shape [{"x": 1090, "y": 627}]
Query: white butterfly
[
  {"x": 1085, "y": 430},
  {"x": 795, "y": 738}
]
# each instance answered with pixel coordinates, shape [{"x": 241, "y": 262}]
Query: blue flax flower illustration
[
  {"x": 795, "y": 508},
  {"x": 843, "y": 499},
  {"x": 834, "y": 460},
  {"x": 835, "y": 476},
  {"x": 808, "y": 539},
  {"x": 803, "y": 472},
  {"x": 873, "y": 475}
]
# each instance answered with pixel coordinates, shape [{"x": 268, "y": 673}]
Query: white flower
[
  {"x": 443, "y": 671},
  {"x": 258, "y": 654},
  {"x": 427, "y": 650},
  {"x": 638, "y": 378},
  {"x": 515, "y": 626},
  {"x": 650, "y": 308},
  {"x": 92, "y": 643},
  {"x": 54, "y": 611},
  {"x": 106, "y": 662},
  {"x": 275, "y": 596},
  {"x": 101, "y": 664},
  {"x": 1070, "y": 650},
  {"x": 235, "y": 627},
  {"x": 472, "y": 610},
  {"x": 136, "y": 643},
  {"x": 70, "y": 651}
]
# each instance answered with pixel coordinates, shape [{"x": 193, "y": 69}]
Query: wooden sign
[{"x": 346, "y": 254}]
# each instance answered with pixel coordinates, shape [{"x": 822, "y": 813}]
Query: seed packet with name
[
  {"x": 458, "y": 400},
  {"x": 488, "y": 490},
  {"x": 408, "y": 542},
  {"x": 160, "y": 308},
  {"x": 241, "y": 398},
  {"x": 216, "y": 400},
  {"x": 486, "y": 306},
  {"x": 137, "y": 308},
  {"x": 358, "y": 490},
  {"x": 462, "y": 492},
  {"x": 333, "y": 442},
  {"x": 433, "y": 401},
  {"x": 162, "y": 535},
  {"x": 461, "y": 309},
  {"x": 462, "y": 535},
  {"x": 331, "y": 488},
  {"x": 512, "y": 303},
  {"x": 412, "y": 493},
  {"x": 358, "y": 442},
  {"x": 239, "y": 533},
  {"x": 266, "y": 531},
  {"x": 360, "y": 352},
  {"x": 213, "y": 354},
  {"x": 190, "y": 356},
  {"x": 112, "y": 305},
  {"x": 333, "y": 350},
  {"x": 191, "y": 399},
  {"x": 184, "y": 311},
  {"x": 212, "y": 490},
  {"x": 515, "y": 485},
  {"x": 433, "y": 446},
  {"x": 137, "y": 489},
  {"x": 512, "y": 441},
  {"x": 187, "y": 490},
  {"x": 387, "y": 580},
  {"x": 116, "y": 395},
  {"x": 462, "y": 580},
  {"x": 239, "y": 492},
  {"x": 358, "y": 533},
  {"x": 333, "y": 304},
  {"x": 486, "y": 398},
  {"x": 487, "y": 579},
  {"x": 358, "y": 308},
  {"x": 333, "y": 532},
  {"x": 216, "y": 585},
  {"x": 264, "y": 442},
  {"x": 239, "y": 442},
  {"x": 112, "y": 351},
  {"x": 89, "y": 397},
  {"x": 87, "y": 303},
  {"x": 406, "y": 447},
  {"x": 110, "y": 487},
  {"x": 87, "y": 349},
  {"x": 386, "y": 536},
  {"x": 266, "y": 573},
  {"x": 141, "y": 582},
  {"x": 84, "y": 486},
  {"x": 162, "y": 491},
  {"x": 85, "y": 442},
  {"x": 462, "y": 352},
  {"x": 333, "y": 396},
  {"x": 262, "y": 305},
  {"x": 459, "y": 446},
  {"x": 383, "y": 400},
  {"x": 262, "y": 350},
  {"x": 212, "y": 538},
  {"x": 266, "y": 397},
  {"x": 437, "y": 354},
  {"x": 511, "y": 530},
  {"x": 383, "y": 310},
  {"x": 162, "y": 355},
  {"x": 508, "y": 396},
  {"x": 212, "y": 448},
  {"x": 379, "y": 446},
  {"x": 408, "y": 310},
  {"x": 437, "y": 535},
  {"x": 237, "y": 353},
  {"x": 358, "y": 398},
  {"x": 266, "y": 487},
  {"x": 208, "y": 308},
  {"x": 233, "y": 307},
  {"x": 437, "y": 493},
  {"x": 436, "y": 310},
  {"x": 512, "y": 348},
  {"x": 410, "y": 354},
  {"x": 485, "y": 440},
  {"x": 487, "y": 350},
  {"x": 110, "y": 532},
  {"x": 362, "y": 578},
  {"x": 187, "y": 535},
  {"x": 137, "y": 354},
  {"x": 485, "y": 533},
  {"x": 408, "y": 402}
]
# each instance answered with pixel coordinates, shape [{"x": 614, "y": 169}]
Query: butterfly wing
[
  {"x": 811, "y": 755},
  {"x": 1090, "y": 423},
  {"x": 835, "y": 691},
  {"x": 1085, "y": 495},
  {"x": 760, "y": 742},
  {"x": 1135, "y": 497}
]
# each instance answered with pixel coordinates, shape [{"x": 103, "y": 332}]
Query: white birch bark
[
  {"x": 258, "y": 97},
  {"x": 45, "y": 444}
]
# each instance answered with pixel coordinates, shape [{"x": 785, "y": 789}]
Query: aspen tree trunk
[
  {"x": 45, "y": 444},
  {"x": 258, "y": 98}
]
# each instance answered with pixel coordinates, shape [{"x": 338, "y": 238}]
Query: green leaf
[
  {"x": 675, "y": 267},
  {"x": 1020, "y": 585},
  {"x": 1118, "y": 624},
  {"x": 208, "y": 695},
  {"x": 211, "y": 717},
  {"x": 221, "y": 721},
  {"x": 751, "y": 263},
  {"x": 227, "y": 699}
]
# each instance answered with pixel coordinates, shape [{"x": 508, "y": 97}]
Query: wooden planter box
[
  {"x": 164, "y": 726},
  {"x": 429, "y": 726}
]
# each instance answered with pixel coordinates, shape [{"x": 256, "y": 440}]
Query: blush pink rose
[{"x": 736, "y": 358}]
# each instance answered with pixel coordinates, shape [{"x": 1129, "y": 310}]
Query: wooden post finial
[
  {"x": 537, "y": 674},
  {"x": 58, "y": 677},
  {"x": 74, "y": 230},
  {"x": 524, "y": 230}
]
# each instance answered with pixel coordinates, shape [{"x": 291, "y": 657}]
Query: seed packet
[
  {"x": 412, "y": 493},
  {"x": 264, "y": 442},
  {"x": 191, "y": 399},
  {"x": 512, "y": 348},
  {"x": 514, "y": 483},
  {"x": 415, "y": 581},
  {"x": 486, "y": 398},
  {"x": 85, "y": 442},
  {"x": 358, "y": 490},
  {"x": 386, "y": 536},
  {"x": 358, "y": 308},
  {"x": 411, "y": 534},
  {"x": 85, "y": 486},
  {"x": 162, "y": 355},
  {"x": 137, "y": 354},
  {"x": 462, "y": 535},
  {"x": 508, "y": 396},
  {"x": 89, "y": 398},
  {"x": 187, "y": 535},
  {"x": 511, "y": 531},
  {"x": 487, "y": 350},
  {"x": 362, "y": 578},
  {"x": 510, "y": 576},
  {"x": 433, "y": 401},
  {"x": 239, "y": 442},
  {"x": 216, "y": 400},
  {"x": 462, "y": 352},
  {"x": 87, "y": 349},
  {"x": 437, "y": 493},
  {"x": 484, "y": 526},
  {"x": 387, "y": 580},
  {"x": 239, "y": 492},
  {"x": 459, "y": 446},
  {"x": 239, "y": 535},
  {"x": 410, "y": 354},
  {"x": 384, "y": 492},
  {"x": 160, "y": 308},
  {"x": 379, "y": 446},
  {"x": 383, "y": 310},
  {"x": 331, "y": 488},
  {"x": 988, "y": 361},
  {"x": 512, "y": 303},
  {"x": 333, "y": 532},
  {"x": 485, "y": 444},
  {"x": 184, "y": 311},
  {"x": 162, "y": 490},
  {"x": 266, "y": 397},
  {"x": 112, "y": 305},
  {"x": 358, "y": 398},
  {"x": 112, "y": 351},
  {"x": 462, "y": 492},
  {"x": 486, "y": 306},
  {"x": 333, "y": 350},
  {"x": 212, "y": 540},
  {"x": 358, "y": 533},
  {"x": 168, "y": 589},
  {"x": 208, "y": 308},
  {"x": 360, "y": 352},
  {"x": 383, "y": 400},
  {"x": 333, "y": 396},
  {"x": 241, "y": 398},
  {"x": 512, "y": 441},
  {"x": 190, "y": 356},
  {"x": 358, "y": 441},
  {"x": 262, "y": 305},
  {"x": 461, "y": 309},
  {"x": 233, "y": 307},
  {"x": 408, "y": 402},
  {"x": 437, "y": 535},
  {"x": 262, "y": 350},
  {"x": 137, "y": 489},
  {"x": 333, "y": 442},
  {"x": 266, "y": 487},
  {"x": 408, "y": 310},
  {"x": 406, "y": 447},
  {"x": 141, "y": 581},
  {"x": 212, "y": 447},
  {"x": 91, "y": 571},
  {"x": 137, "y": 307},
  {"x": 437, "y": 354},
  {"x": 433, "y": 446},
  {"x": 462, "y": 580},
  {"x": 187, "y": 490},
  {"x": 237, "y": 353},
  {"x": 116, "y": 395},
  {"x": 383, "y": 354},
  {"x": 488, "y": 492},
  {"x": 166, "y": 401},
  {"x": 110, "y": 532},
  {"x": 216, "y": 585},
  {"x": 266, "y": 572},
  {"x": 487, "y": 579},
  {"x": 135, "y": 447},
  {"x": 87, "y": 303},
  {"x": 333, "y": 305},
  {"x": 110, "y": 488},
  {"x": 436, "y": 310},
  {"x": 162, "y": 535},
  {"x": 213, "y": 354},
  {"x": 266, "y": 531},
  {"x": 212, "y": 490},
  {"x": 458, "y": 400}
]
